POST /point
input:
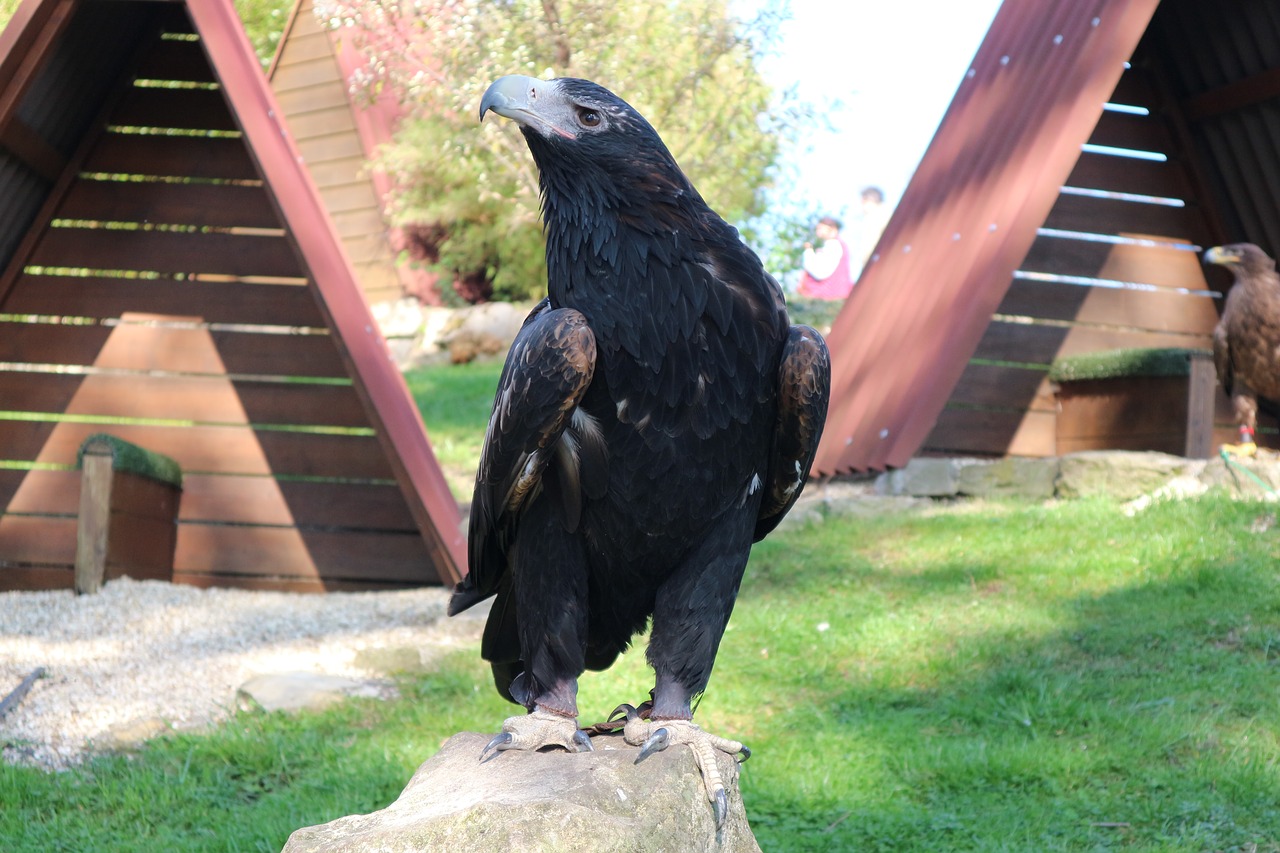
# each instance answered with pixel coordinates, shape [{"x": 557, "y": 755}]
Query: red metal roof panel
[{"x": 988, "y": 180}]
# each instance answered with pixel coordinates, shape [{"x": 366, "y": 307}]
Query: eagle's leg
[
  {"x": 550, "y": 581},
  {"x": 1245, "y": 405},
  {"x": 551, "y": 724},
  {"x": 656, "y": 734},
  {"x": 689, "y": 618}
]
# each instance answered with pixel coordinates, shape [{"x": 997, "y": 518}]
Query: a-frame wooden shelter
[
  {"x": 169, "y": 275},
  {"x": 1092, "y": 150}
]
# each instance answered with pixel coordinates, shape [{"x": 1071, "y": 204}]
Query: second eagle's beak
[{"x": 1220, "y": 255}]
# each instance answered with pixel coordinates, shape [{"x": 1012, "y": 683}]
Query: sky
[{"x": 884, "y": 72}]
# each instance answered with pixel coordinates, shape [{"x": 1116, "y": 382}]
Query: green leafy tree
[
  {"x": 263, "y": 22},
  {"x": 687, "y": 65}
]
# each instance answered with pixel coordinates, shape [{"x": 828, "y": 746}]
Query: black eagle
[
  {"x": 1246, "y": 341},
  {"x": 657, "y": 414}
]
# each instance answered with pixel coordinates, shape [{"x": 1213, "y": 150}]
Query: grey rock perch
[{"x": 546, "y": 801}]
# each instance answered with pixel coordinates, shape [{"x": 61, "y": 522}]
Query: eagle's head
[
  {"x": 594, "y": 151},
  {"x": 1240, "y": 258}
]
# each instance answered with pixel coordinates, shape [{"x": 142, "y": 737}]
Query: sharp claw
[
  {"x": 720, "y": 803},
  {"x": 627, "y": 711},
  {"x": 583, "y": 740},
  {"x": 745, "y": 752},
  {"x": 657, "y": 741},
  {"x": 499, "y": 743}
]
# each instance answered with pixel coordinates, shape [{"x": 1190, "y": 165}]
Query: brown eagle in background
[
  {"x": 656, "y": 415},
  {"x": 1246, "y": 341}
]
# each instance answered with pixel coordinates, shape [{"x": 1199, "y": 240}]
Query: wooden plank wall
[
  {"x": 162, "y": 301},
  {"x": 313, "y": 96},
  {"x": 1115, "y": 265}
]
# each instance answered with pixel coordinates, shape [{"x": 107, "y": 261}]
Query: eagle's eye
[{"x": 588, "y": 117}]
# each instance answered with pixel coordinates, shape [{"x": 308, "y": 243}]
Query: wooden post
[
  {"x": 128, "y": 513},
  {"x": 1200, "y": 405},
  {"x": 95, "y": 519}
]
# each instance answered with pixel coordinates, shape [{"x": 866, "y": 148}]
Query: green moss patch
[
  {"x": 132, "y": 458},
  {"x": 1115, "y": 364}
]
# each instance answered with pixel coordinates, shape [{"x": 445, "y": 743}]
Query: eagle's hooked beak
[
  {"x": 1220, "y": 255},
  {"x": 518, "y": 98}
]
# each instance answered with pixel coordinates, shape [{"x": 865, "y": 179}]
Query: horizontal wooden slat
[
  {"x": 996, "y": 386},
  {"x": 211, "y": 301},
  {"x": 273, "y": 552},
  {"x": 203, "y": 399},
  {"x": 307, "y": 504},
  {"x": 1161, "y": 441},
  {"x": 992, "y": 433},
  {"x": 1154, "y": 310},
  {"x": 1032, "y": 344},
  {"x": 279, "y": 355},
  {"x": 187, "y": 109},
  {"x": 367, "y": 223},
  {"x": 1162, "y": 266},
  {"x": 322, "y": 122},
  {"x": 299, "y": 585},
  {"x": 345, "y": 170},
  {"x": 326, "y": 144},
  {"x": 165, "y": 252},
  {"x": 172, "y": 156},
  {"x": 1128, "y": 175},
  {"x": 184, "y": 350},
  {"x": 367, "y": 248},
  {"x": 345, "y": 198},
  {"x": 62, "y": 576},
  {"x": 306, "y": 41},
  {"x": 299, "y": 100},
  {"x": 161, "y": 203},
  {"x": 18, "y": 578},
  {"x": 37, "y": 541},
  {"x": 350, "y": 456},
  {"x": 176, "y": 60},
  {"x": 306, "y": 73},
  {"x": 225, "y": 450},
  {"x": 56, "y": 500},
  {"x": 379, "y": 275},
  {"x": 231, "y": 500},
  {"x": 293, "y": 403},
  {"x": 36, "y": 392},
  {"x": 40, "y": 492},
  {"x": 51, "y": 344},
  {"x": 1113, "y": 216},
  {"x": 1134, "y": 132}
]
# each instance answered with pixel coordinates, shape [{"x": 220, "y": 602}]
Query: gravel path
[{"x": 143, "y": 650}]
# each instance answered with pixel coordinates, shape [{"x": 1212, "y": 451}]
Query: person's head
[
  {"x": 828, "y": 228},
  {"x": 872, "y": 195}
]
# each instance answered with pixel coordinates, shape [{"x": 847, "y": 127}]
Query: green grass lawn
[
  {"x": 969, "y": 677},
  {"x": 455, "y": 401}
]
